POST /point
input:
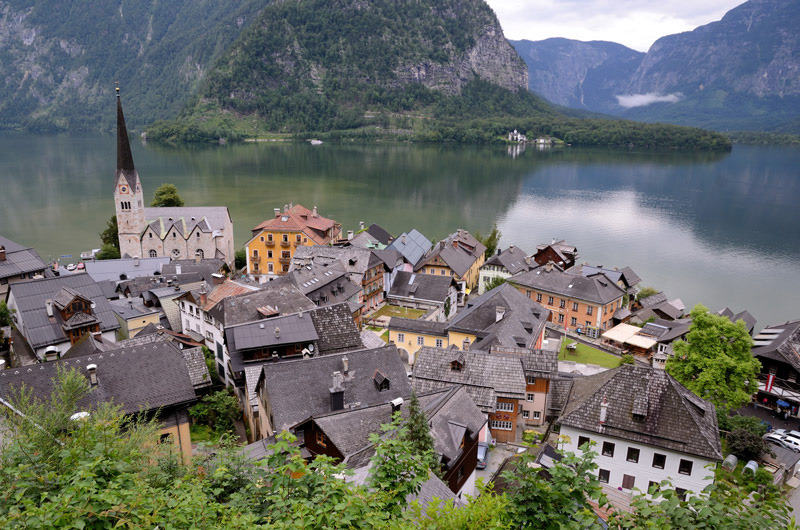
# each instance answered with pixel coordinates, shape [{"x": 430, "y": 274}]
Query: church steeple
[
  {"x": 124, "y": 156},
  {"x": 128, "y": 194}
]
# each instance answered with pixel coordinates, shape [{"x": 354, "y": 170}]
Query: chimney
[
  {"x": 2, "y": 253},
  {"x": 92, "y": 368},
  {"x": 553, "y": 242},
  {"x": 499, "y": 311},
  {"x": 396, "y": 404},
  {"x": 337, "y": 392},
  {"x": 511, "y": 248},
  {"x": 177, "y": 269},
  {"x": 203, "y": 297},
  {"x": 48, "y": 305},
  {"x": 345, "y": 365},
  {"x": 217, "y": 279},
  {"x": 314, "y": 212},
  {"x": 548, "y": 267},
  {"x": 349, "y": 235},
  {"x": 277, "y": 332},
  {"x": 277, "y": 212},
  {"x": 136, "y": 261},
  {"x": 465, "y": 344},
  {"x": 361, "y": 225},
  {"x": 603, "y": 410},
  {"x": 285, "y": 208},
  {"x": 98, "y": 336}
]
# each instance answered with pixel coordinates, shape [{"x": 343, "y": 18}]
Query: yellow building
[
  {"x": 410, "y": 335},
  {"x": 270, "y": 251},
  {"x": 133, "y": 316},
  {"x": 460, "y": 256}
]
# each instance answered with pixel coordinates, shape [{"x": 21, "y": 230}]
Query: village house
[
  {"x": 119, "y": 270},
  {"x": 327, "y": 284},
  {"x": 363, "y": 267},
  {"x": 657, "y": 306},
  {"x": 454, "y": 420},
  {"x": 777, "y": 347},
  {"x": 749, "y": 320},
  {"x": 174, "y": 232},
  {"x": 624, "y": 277},
  {"x": 275, "y": 241},
  {"x": 653, "y": 338},
  {"x": 575, "y": 301},
  {"x": 541, "y": 367},
  {"x": 502, "y": 265},
  {"x": 496, "y": 383},
  {"x": 372, "y": 238},
  {"x": 460, "y": 255},
  {"x": 558, "y": 252},
  {"x": 409, "y": 335},
  {"x": 434, "y": 294},
  {"x": 51, "y": 314},
  {"x": 153, "y": 380},
  {"x": 133, "y": 316},
  {"x": 412, "y": 246},
  {"x": 330, "y": 383},
  {"x": 646, "y": 427},
  {"x": 17, "y": 264},
  {"x": 211, "y": 270}
]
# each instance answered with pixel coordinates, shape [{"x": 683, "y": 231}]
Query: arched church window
[
  {"x": 153, "y": 253},
  {"x": 176, "y": 253},
  {"x": 200, "y": 253}
]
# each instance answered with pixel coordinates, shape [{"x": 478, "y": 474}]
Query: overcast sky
[{"x": 634, "y": 23}]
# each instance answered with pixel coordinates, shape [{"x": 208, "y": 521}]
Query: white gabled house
[{"x": 646, "y": 427}]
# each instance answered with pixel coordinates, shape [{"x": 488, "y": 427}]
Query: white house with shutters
[{"x": 646, "y": 427}]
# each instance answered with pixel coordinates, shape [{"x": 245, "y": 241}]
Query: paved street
[{"x": 496, "y": 458}]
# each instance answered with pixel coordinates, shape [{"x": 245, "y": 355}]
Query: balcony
[
  {"x": 285, "y": 260},
  {"x": 285, "y": 244},
  {"x": 270, "y": 242},
  {"x": 255, "y": 259}
]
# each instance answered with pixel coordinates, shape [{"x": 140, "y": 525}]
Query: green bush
[{"x": 218, "y": 410}]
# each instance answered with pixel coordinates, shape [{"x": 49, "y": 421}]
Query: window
[
  {"x": 401, "y": 337},
  {"x": 653, "y": 487},
  {"x": 255, "y": 267},
  {"x": 420, "y": 341},
  {"x": 538, "y": 297},
  {"x": 681, "y": 493},
  {"x": 488, "y": 280},
  {"x": 573, "y": 322},
  {"x": 442, "y": 272},
  {"x": 174, "y": 235},
  {"x": 219, "y": 351},
  {"x": 269, "y": 254},
  {"x": 604, "y": 476},
  {"x": 685, "y": 467},
  {"x": 562, "y": 303},
  {"x": 589, "y": 309},
  {"x": 153, "y": 253},
  {"x": 628, "y": 482},
  {"x": 187, "y": 325},
  {"x": 526, "y": 414},
  {"x": 175, "y": 252},
  {"x": 270, "y": 267},
  {"x": 588, "y": 323},
  {"x": 262, "y": 239},
  {"x": 633, "y": 455},
  {"x": 165, "y": 438},
  {"x": 286, "y": 238},
  {"x": 608, "y": 449},
  {"x": 209, "y": 336},
  {"x": 221, "y": 370},
  {"x": 439, "y": 343},
  {"x": 583, "y": 440},
  {"x": 200, "y": 254},
  {"x": 197, "y": 234},
  {"x": 530, "y": 380},
  {"x": 501, "y": 425},
  {"x": 549, "y": 300},
  {"x": 659, "y": 460},
  {"x": 320, "y": 439},
  {"x": 269, "y": 237},
  {"x": 529, "y": 397},
  {"x": 574, "y": 306},
  {"x": 255, "y": 253},
  {"x": 150, "y": 234},
  {"x": 297, "y": 238},
  {"x": 560, "y": 319},
  {"x": 537, "y": 415},
  {"x": 504, "y": 406}
]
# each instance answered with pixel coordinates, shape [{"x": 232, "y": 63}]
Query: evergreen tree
[
  {"x": 110, "y": 236},
  {"x": 491, "y": 241},
  {"x": 418, "y": 435}
]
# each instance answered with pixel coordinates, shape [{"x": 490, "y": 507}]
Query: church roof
[
  {"x": 186, "y": 218},
  {"x": 124, "y": 156}
]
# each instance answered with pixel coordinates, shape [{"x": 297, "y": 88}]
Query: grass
[
  {"x": 588, "y": 355},
  {"x": 396, "y": 311},
  {"x": 382, "y": 333},
  {"x": 203, "y": 433}
]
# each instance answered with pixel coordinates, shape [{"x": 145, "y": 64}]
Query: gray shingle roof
[
  {"x": 596, "y": 289},
  {"x": 379, "y": 233},
  {"x": 118, "y": 270},
  {"x": 287, "y": 329},
  {"x": 411, "y": 245},
  {"x": 459, "y": 251},
  {"x": 336, "y": 329},
  {"x": 645, "y": 405},
  {"x": 356, "y": 261},
  {"x": 504, "y": 375},
  {"x": 324, "y": 284},
  {"x": 185, "y": 218},
  {"x": 280, "y": 294},
  {"x": 512, "y": 258},
  {"x": 138, "y": 378},
  {"x": 559, "y": 393},
  {"x": 653, "y": 299},
  {"x": 19, "y": 260},
  {"x": 418, "y": 326},
  {"x": 128, "y": 308},
  {"x": 30, "y": 298},
  {"x": 521, "y": 325},
  {"x": 749, "y": 320},
  {"x": 427, "y": 287},
  {"x": 542, "y": 364},
  {"x": 780, "y": 342},
  {"x": 299, "y": 389},
  {"x": 431, "y": 489},
  {"x": 206, "y": 268}
]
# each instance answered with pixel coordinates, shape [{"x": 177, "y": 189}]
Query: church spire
[{"x": 124, "y": 157}]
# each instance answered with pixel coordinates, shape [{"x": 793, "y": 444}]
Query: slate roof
[
  {"x": 558, "y": 394},
  {"x": 206, "y": 268},
  {"x": 780, "y": 342},
  {"x": 117, "y": 270},
  {"x": 371, "y": 339},
  {"x": 426, "y": 287},
  {"x": 300, "y": 219},
  {"x": 138, "y": 286},
  {"x": 336, "y": 329},
  {"x": 412, "y": 246},
  {"x": 631, "y": 277},
  {"x": 30, "y": 298},
  {"x": 380, "y": 234},
  {"x": 647, "y": 406},
  {"x": 431, "y": 489},
  {"x": 19, "y": 260},
  {"x": 186, "y": 218},
  {"x": 418, "y": 326},
  {"x": 653, "y": 299},
  {"x": 512, "y": 259},
  {"x": 314, "y": 376},
  {"x": 597, "y": 289},
  {"x": 329, "y": 280},
  {"x": 521, "y": 325},
  {"x": 281, "y": 295},
  {"x": 542, "y": 364},
  {"x": 356, "y": 261},
  {"x": 485, "y": 376},
  {"x": 219, "y": 292},
  {"x": 460, "y": 250},
  {"x": 139, "y": 378},
  {"x": 287, "y": 329},
  {"x": 128, "y": 308},
  {"x": 389, "y": 257},
  {"x": 749, "y": 320}
]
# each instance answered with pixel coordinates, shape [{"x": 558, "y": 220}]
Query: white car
[
  {"x": 71, "y": 267},
  {"x": 790, "y": 442},
  {"x": 784, "y": 432},
  {"x": 775, "y": 438}
]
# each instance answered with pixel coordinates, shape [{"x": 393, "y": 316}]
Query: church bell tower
[{"x": 128, "y": 196}]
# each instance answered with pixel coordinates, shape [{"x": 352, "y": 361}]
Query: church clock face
[{"x": 123, "y": 189}]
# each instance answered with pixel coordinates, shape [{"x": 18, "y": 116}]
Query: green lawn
[
  {"x": 396, "y": 311},
  {"x": 382, "y": 333},
  {"x": 203, "y": 433},
  {"x": 587, "y": 355}
]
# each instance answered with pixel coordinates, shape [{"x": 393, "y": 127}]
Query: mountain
[
  {"x": 742, "y": 72},
  {"x": 59, "y": 58},
  {"x": 577, "y": 74}
]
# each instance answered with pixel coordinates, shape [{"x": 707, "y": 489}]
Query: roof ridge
[{"x": 692, "y": 414}]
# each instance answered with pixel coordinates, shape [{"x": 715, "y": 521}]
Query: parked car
[
  {"x": 784, "y": 432},
  {"x": 81, "y": 266},
  {"x": 483, "y": 454},
  {"x": 71, "y": 267},
  {"x": 790, "y": 442},
  {"x": 776, "y": 439}
]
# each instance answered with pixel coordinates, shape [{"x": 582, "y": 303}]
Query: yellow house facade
[
  {"x": 460, "y": 256},
  {"x": 410, "y": 335}
]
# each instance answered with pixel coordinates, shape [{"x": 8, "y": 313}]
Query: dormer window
[
  {"x": 456, "y": 366},
  {"x": 381, "y": 381}
]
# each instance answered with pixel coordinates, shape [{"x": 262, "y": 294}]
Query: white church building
[{"x": 174, "y": 232}]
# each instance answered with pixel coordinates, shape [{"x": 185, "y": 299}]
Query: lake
[{"x": 717, "y": 228}]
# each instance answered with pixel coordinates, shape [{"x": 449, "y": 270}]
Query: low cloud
[{"x": 641, "y": 100}]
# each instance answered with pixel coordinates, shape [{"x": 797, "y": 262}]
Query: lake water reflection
[{"x": 722, "y": 229}]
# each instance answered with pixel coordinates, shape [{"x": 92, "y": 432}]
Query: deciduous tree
[
  {"x": 110, "y": 236},
  {"x": 167, "y": 195}
]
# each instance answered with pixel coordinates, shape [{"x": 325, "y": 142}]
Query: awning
[
  {"x": 782, "y": 403},
  {"x": 641, "y": 342},
  {"x": 621, "y": 333}
]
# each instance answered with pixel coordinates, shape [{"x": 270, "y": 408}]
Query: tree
[
  {"x": 5, "y": 315},
  {"x": 645, "y": 292},
  {"x": 746, "y": 445},
  {"x": 497, "y": 281},
  {"x": 166, "y": 195},
  {"x": 218, "y": 410},
  {"x": 491, "y": 241},
  {"x": 447, "y": 307},
  {"x": 110, "y": 236},
  {"x": 418, "y": 435},
  {"x": 627, "y": 359},
  {"x": 240, "y": 259},
  {"x": 715, "y": 360},
  {"x": 108, "y": 252}
]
